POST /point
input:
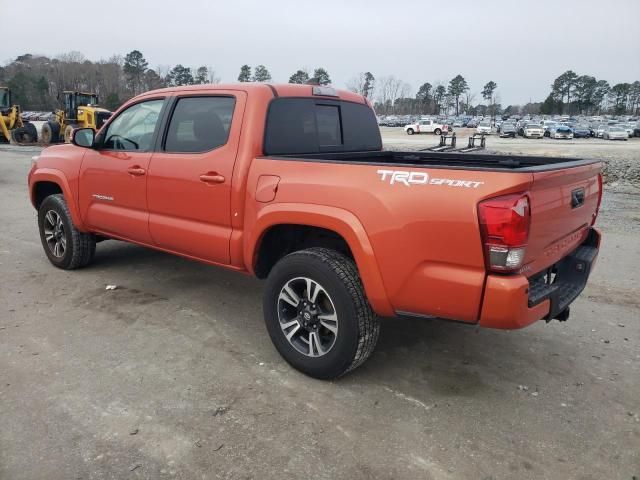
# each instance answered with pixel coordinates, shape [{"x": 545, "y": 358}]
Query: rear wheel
[
  {"x": 437, "y": 131},
  {"x": 317, "y": 314},
  {"x": 65, "y": 246}
]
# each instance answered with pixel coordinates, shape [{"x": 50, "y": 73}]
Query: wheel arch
[
  {"x": 340, "y": 227},
  {"x": 45, "y": 182}
]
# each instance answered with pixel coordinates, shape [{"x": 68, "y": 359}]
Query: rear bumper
[{"x": 515, "y": 301}]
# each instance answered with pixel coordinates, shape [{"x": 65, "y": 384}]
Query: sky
[{"x": 522, "y": 46}]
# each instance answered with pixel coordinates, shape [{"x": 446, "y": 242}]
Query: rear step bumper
[{"x": 512, "y": 302}]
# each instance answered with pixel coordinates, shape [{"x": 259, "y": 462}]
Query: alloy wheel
[
  {"x": 307, "y": 316},
  {"x": 54, "y": 234}
]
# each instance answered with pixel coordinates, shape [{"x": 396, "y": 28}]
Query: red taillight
[
  {"x": 595, "y": 214},
  {"x": 504, "y": 224}
]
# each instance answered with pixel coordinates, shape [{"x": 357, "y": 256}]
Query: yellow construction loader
[
  {"x": 12, "y": 128},
  {"x": 80, "y": 111}
]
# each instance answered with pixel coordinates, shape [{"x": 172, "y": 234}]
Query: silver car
[
  {"x": 561, "y": 131},
  {"x": 600, "y": 130},
  {"x": 613, "y": 132}
]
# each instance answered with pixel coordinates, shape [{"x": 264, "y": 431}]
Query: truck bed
[{"x": 450, "y": 160}]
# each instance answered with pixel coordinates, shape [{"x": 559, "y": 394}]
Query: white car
[
  {"x": 629, "y": 128},
  {"x": 533, "y": 130},
  {"x": 614, "y": 132},
  {"x": 426, "y": 126},
  {"x": 484, "y": 127}
]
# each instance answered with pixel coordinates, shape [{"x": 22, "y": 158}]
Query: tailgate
[{"x": 564, "y": 204}]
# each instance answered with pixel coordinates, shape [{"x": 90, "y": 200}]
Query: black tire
[
  {"x": 50, "y": 133},
  {"x": 437, "y": 131},
  {"x": 25, "y": 134},
  {"x": 20, "y": 135},
  {"x": 31, "y": 131},
  {"x": 68, "y": 132},
  {"x": 79, "y": 248},
  {"x": 410, "y": 131},
  {"x": 357, "y": 325}
]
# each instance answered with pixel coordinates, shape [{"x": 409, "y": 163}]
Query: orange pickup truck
[{"x": 291, "y": 183}]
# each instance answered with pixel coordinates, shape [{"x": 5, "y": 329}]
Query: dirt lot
[{"x": 172, "y": 375}]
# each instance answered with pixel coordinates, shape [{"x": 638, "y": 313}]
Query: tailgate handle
[{"x": 577, "y": 197}]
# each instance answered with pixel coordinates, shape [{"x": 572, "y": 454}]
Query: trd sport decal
[{"x": 422, "y": 178}]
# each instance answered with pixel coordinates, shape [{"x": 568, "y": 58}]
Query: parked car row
[
  {"x": 33, "y": 116},
  {"x": 558, "y": 127}
]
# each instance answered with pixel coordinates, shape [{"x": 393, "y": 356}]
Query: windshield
[
  {"x": 84, "y": 99},
  {"x": 532, "y": 125},
  {"x": 4, "y": 98},
  {"x": 485, "y": 124},
  {"x": 615, "y": 129}
]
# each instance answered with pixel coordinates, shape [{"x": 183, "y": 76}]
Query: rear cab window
[{"x": 309, "y": 125}]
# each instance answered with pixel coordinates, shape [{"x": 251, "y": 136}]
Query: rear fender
[{"x": 340, "y": 221}]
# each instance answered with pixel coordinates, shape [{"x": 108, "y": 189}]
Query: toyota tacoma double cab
[{"x": 290, "y": 183}]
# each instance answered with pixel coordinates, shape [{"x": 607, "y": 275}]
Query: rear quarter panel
[{"x": 424, "y": 237}]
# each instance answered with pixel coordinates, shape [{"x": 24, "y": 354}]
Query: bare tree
[
  {"x": 363, "y": 84},
  {"x": 213, "y": 78},
  {"x": 469, "y": 98},
  {"x": 389, "y": 89}
]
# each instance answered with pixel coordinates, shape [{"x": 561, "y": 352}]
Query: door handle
[
  {"x": 211, "y": 178},
  {"x": 136, "y": 171}
]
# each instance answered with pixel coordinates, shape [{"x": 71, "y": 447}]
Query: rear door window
[{"x": 199, "y": 124}]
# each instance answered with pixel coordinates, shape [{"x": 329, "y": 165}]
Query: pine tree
[
  {"x": 261, "y": 74},
  {"x": 134, "y": 68},
  {"x": 180, "y": 75},
  {"x": 457, "y": 86},
  {"x": 321, "y": 76},
  {"x": 245, "y": 74},
  {"x": 301, "y": 76},
  {"x": 202, "y": 75}
]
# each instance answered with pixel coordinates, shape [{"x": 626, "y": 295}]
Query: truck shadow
[{"x": 443, "y": 358}]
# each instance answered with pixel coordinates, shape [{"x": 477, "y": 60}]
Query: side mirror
[{"x": 83, "y": 137}]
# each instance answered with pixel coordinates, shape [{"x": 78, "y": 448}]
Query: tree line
[
  {"x": 37, "y": 82},
  {"x": 584, "y": 94}
]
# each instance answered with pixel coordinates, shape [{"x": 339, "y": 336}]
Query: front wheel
[
  {"x": 317, "y": 314},
  {"x": 410, "y": 131},
  {"x": 68, "y": 131},
  {"x": 65, "y": 246},
  {"x": 49, "y": 133}
]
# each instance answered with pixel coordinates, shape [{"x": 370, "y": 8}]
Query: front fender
[
  {"x": 340, "y": 221},
  {"x": 59, "y": 178}
]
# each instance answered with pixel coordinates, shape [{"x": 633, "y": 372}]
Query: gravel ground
[
  {"x": 172, "y": 375},
  {"x": 622, "y": 158}
]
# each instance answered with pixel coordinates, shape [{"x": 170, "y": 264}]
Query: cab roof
[{"x": 276, "y": 89}]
